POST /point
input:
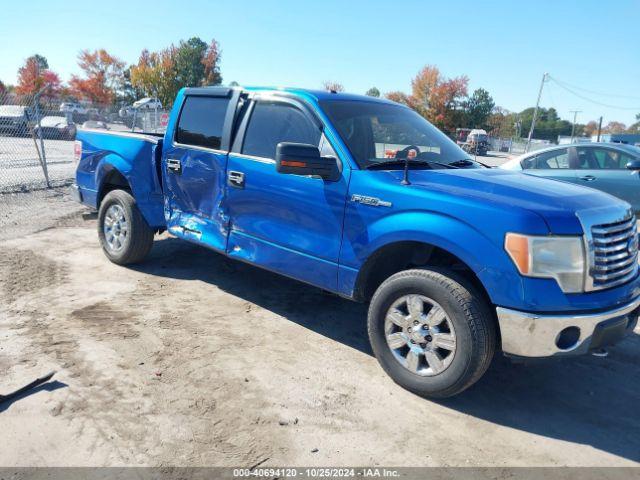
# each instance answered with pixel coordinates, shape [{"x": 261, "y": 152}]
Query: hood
[{"x": 555, "y": 201}]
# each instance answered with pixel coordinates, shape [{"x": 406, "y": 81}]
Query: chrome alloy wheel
[
  {"x": 420, "y": 335},
  {"x": 116, "y": 227}
]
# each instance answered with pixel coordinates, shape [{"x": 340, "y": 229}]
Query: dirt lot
[{"x": 192, "y": 359}]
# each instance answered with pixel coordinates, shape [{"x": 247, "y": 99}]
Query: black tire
[
  {"x": 474, "y": 326},
  {"x": 139, "y": 239}
]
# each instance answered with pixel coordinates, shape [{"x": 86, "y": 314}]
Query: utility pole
[
  {"x": 573, "y": 127},
  {"x": 535, "y": 111},
  {"x": 599, "y": 129}
]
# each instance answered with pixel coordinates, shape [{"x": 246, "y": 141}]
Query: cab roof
[{"x": 317, "y": 95}]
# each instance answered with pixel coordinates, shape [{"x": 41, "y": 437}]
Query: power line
[
  {"x": 618, "y": 107},
  {"x": 575, "y": 87}
]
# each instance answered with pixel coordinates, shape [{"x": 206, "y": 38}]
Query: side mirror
[
  {"x": 633, "y": 165},
  {"x": 304, "y": 159}
]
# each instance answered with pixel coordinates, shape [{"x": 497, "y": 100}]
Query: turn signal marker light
[{"x": 517, "y": 246}]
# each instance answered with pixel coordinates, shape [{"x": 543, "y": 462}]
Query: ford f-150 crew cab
[{"x": 365, "y": 198}]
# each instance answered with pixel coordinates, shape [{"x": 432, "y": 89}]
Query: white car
[
  {"x": 73, "y": 107},
  {"x": 147, "y": 103}
]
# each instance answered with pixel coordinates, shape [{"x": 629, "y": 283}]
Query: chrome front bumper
[{"x": 539, "y": 335}]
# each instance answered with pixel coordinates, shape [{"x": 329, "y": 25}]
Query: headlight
[{"x": 562, "y": 258}]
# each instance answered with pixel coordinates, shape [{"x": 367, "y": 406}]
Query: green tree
[
  {"x": 188, "y": 62},
  {"x": 478, "y": 108},
  {"x": 373, "y": 92},
  {"x": 548, "y": 125},
  {"x": 40, "y": 61}
]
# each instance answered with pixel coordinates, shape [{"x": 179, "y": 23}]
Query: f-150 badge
[{"x": 372, "y": 201}]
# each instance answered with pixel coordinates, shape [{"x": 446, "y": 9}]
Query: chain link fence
[{"x": 37, "y": 137}]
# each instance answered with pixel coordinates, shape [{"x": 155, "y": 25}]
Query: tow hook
[{"x": 600, "y": 352}]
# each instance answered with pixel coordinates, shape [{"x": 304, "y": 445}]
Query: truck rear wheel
[
  {"x": 124, "y": 234},
  {"x": 431, "y": 332}
]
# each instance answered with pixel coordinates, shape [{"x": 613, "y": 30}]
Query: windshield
[
  {"x": 380, "y": 132},
  {"x": 11, "y": 110}
]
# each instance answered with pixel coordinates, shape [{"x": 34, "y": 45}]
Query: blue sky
[{"x": 503, "y": 46}]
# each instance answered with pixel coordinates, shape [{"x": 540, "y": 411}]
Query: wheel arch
[
  {"x": 396, "y": 256},
  {"x": 111, "y": 178}
]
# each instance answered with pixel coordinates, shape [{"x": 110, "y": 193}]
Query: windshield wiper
[
  {"x": 402, "y": 161},
  {"x": 467, "y": 161}
]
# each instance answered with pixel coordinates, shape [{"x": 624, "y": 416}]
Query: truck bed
[{"x": 113, "y": 158}]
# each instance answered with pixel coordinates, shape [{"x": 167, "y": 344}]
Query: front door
[
  {"x": 194, "y": 167},
  {"x": 286, "y": 223},
  {"x": 606, "y": 169}
]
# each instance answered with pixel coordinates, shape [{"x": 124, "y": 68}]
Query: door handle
[
  {"x": 588, "y": 178},
  {"x": 174, "y": 165},
  {"x": 235, "y": 179}
]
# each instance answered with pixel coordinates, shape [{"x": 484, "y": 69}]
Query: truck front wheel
[
  {"x": 124, "y": 234},
  {"x": 431, "y": 332}
]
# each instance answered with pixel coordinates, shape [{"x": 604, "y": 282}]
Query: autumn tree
[
  {"x": 614, "y": 127},
  {"x": 192, "y": 63},
  {"x": 502, "y": 123},
  {"x": 103, "y": 77},
  {"x": 34, "y": 76},
  {"x": 401, "y": 97},
  {"x": 331, "y": 86},
  {"x": 440, "y": 100},
  {"x": 373, "y": 92},
  {"x": 591, "y": 128},
  {"x": 211, "y": 62}
]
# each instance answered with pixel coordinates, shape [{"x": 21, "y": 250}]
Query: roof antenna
[{"x": 409, "y": 155}]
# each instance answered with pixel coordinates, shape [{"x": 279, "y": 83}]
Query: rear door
[
  {"x": 290, "y": 224},
  {"x": 605, "y": 168},
  {"x": 194, "y": 166}
]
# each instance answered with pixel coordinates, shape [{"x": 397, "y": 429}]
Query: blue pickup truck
[{"x": 365, "y": 198}]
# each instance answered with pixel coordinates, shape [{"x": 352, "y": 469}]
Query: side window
[
  {"x": 586, "y": 159},
  {"x": 201, "y": 121},
  {"x": 553, "y": 160},
  {"x": 611, "y": 159},
  {"x": 272, "y": 123}
]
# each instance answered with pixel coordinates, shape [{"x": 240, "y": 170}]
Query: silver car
[{"x": 610, "y": 167}]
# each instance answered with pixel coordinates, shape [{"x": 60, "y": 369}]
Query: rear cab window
[{"x": 201, "y": 122}]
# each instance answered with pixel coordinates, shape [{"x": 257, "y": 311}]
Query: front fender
[{"x": 487, "y": 260}]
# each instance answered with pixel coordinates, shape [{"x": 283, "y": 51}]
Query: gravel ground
[{"x": 191, "y": 359}]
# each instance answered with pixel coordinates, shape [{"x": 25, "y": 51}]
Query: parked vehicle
[
  {"x": 95, "y": 124},
  {"x": 73, "y": 107},
  {"x": 477, "y": 142},
  {"x": 14, "y": 120},
  {"x": 56, "y": 128},
  {"x": 456, "y": 260},
  {"x": 610, "y": 167},
  {"x": 147, "y": 103}
]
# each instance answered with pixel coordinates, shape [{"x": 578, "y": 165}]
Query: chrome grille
[{"x": 615, "y": 253}]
